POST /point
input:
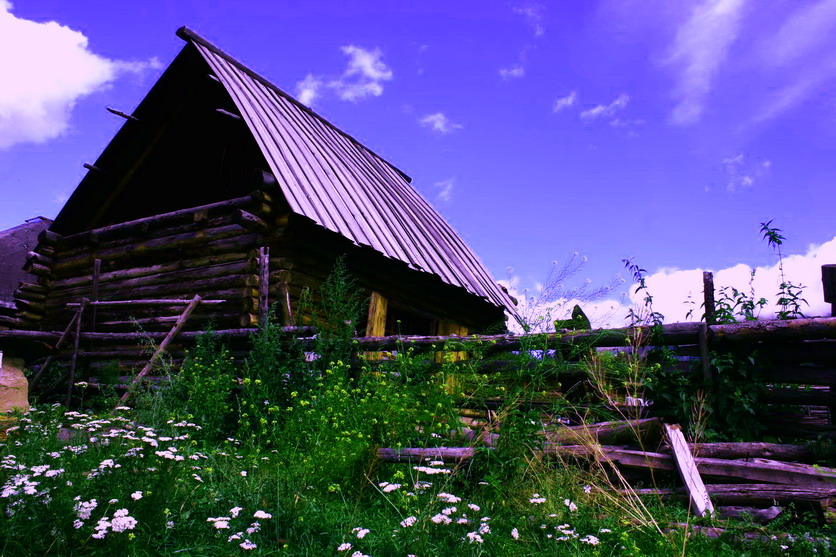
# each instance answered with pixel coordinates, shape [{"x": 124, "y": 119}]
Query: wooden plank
[
  {"x": 166, "y": 302},
  {"x": 263, "y": 285},
  {"x": 74, "y": 358},
  {"x": 688, "y": 471},
  {"x": 376, "y": 322},
  {"x": 164, "y": 344},
  {"x": 94, "y": 296}
]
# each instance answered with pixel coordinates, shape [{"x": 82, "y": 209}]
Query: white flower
[
  {"x": 235, "y": 510},
  {"x": 243, "y": 473},
  {"x": 77, "y": 524},
  {"x": 247, "y": 545},
  {"x": 262, "y": 514},
  {"x": 344, "y": 547},
  {"x": 604, "y": 531},
  {"x": 431, "y": 471},
  {"x": 441, "y": 518},
  {"x": 590, "y": 539},
  {"x": 136, "y": 495},
  {"x": 361, "y": 532},
  {"x": 449, "y": 510},
  {"x": 122, "y": 522},
  {"x": 515, "y": 534},
  {"x": 536, "y": 499},
  {"x": 448, "y": 498},
  {"x": 474, "y": 507},
  {"x": 254, "y": 527},
  {"x": 408, "y": 521},
  {"x": 587, "y": 489},
  {"x": 572, "y": 507},
  {"x": 473, "y": 537},
  {"x": 221, "y": 524}
]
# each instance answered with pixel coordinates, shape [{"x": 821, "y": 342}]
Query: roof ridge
[{"x": 189, "y": 35}]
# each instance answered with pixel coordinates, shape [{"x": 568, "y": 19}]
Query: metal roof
[{"x": 341, "y": 185}]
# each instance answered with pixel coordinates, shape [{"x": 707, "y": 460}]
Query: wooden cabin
[
  {"x": 16, "y": 245},
  {"x": 221, "y": 185}
]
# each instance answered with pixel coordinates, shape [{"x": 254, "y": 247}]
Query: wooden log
[
  {"x": 235, "y": 268},
  {"x": 58, "y": 343},
  {"x": 756, "y": 470},
  {"x": 819, "y": 397},
  {"x": 38, "y": 269},
  {"x": 173, "y": 217},
  {"x": 708, "y": 295},
  {"x": 94, "y": 297},
  {"x": 263, "y": 285},
  {"x": 31, "y": 288},
  {"x": 687, "y": 468},
  {"x": 48, "y": 237},
  {"x": 167, "y": 244},
  {"x": 445, "y": 454},
  {"x": 164, "y": 344},
  {"x": 800, "y": 375},
  {"x": 755, "y": 494},
  {"x": 157, "y": 302},
  {"x": 35, "y": 257},
  {"x": 616, "y": 432},
  {"x": 773, "y": 451},
  {"x": 250, "y": 221}
]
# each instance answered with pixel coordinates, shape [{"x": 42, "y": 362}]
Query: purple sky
[{"x": 663, "y": 131}]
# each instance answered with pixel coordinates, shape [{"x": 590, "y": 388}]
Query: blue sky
[{"x": 647, "y": 129}]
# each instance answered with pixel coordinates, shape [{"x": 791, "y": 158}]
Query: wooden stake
[
  {"x": 57, "y": 345},
  {"x": 164, "y": 344},
  {"x": 708, "y": 294},
  {"x": 74, "y": 357},
  {"x": 263, "y": 286},
  {"x": 687, "y": 468}
]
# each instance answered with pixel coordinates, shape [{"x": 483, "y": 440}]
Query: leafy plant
[{"x": 789, "y": 294}]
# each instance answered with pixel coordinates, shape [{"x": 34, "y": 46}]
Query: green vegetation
[{"x": 276, "y": 455}]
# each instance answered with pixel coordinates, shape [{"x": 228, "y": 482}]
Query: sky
[{"x": 656, "y": 131}]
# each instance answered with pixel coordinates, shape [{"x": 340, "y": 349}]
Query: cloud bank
[
  {"x": 363, "y": 77},
  {"x": 47, "y": 68}
]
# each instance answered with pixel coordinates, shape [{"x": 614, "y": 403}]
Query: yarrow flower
[
  {"x": 572, "y": 507},
  {"x": 344, "y": 547},
  {"x": 536, "y": 499},
  {"x": 136, "y": 495},
  {"x": 448, "y": 498},
  {"x": 590, "y": 539},
  {"x": 261, "y": 514},
  {"x": 247, "y": 545},
  {"x": 473, "y": 537},
  {"x": 441, "y": 519},
  {"x": 408, "y": 521},
  {"x": 515, "y": 534},
  {"x": 235, "y": 510},
  {"x": 361, "y": 532}
]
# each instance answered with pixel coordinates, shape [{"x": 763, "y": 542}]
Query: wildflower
[
  {"x": 462, "y": 520},
  {"x": 77, "y": 524},
  {"x": 484, "y": 528},
  {"x": 113, "y": 501},
  {"x": 590, "y": 539},
  {"x": 198, "y": 478},
  {"x": 536, "y": 499},
  {"x": 448, "y": 498},
  {"x": 122, "y": 521},
  {"x": 604, "y": 531},
  {"x": 344, "y": 547},
  {"x": 587, "y": 489},
  {"x": 235, "y": 536},
  {"x": 254, "y": 527},
  {"x": 441, "y": 518},
  {"x": 136, "y": 495},
  {"x": 449, "y": 510},
  {"x": 101, "y": 528},
  {"x": 84, "y": 508},
  {"x": 473, "y": 537},
  {"x": 247, "y": 545},
  {"x": 431, "y": 471},
  {"x": 387, "y": 487},
  {"x": 361, "y": 532},
  {"x": 170, "y": 524},
  {"x": 234, "y": 511},
  {"x": 515, "y": 534},
  {"x": 474, "y": 507},
  {"x": 572, "y": 507},
  {"x": 243, "y": 473},
  {"x": 408, "y": 521},
  {"x": 262, "y": 514}
]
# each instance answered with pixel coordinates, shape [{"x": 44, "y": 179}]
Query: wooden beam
[
  {"x": 376, "y": 322},
  {"x": 263, "y": 285},
  {"x": 173, "y": 302},
  {"x": 688, "y": 471},
  {"x": 708, "y": 294},
  {"x": 122, "y": 114},
  {"x": 74, "y": 358},
  {"x": 164, "y": 344}
]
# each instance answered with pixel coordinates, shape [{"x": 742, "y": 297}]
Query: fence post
[
  {"x": 708, "y": 294},
  {"x": 828, "y": 279}
]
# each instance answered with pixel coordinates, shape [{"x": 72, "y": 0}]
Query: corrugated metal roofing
[{"x": 332, "y": 179}]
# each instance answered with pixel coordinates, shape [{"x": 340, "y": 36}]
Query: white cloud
[
  {"x": 46, "y": 69},
  {"x": 363, "y": 77},
  {"x": 514, "y": 72},
  {"x": 672, "y": 289},
  {"x": 445, "y": 188},
  {"x": 439, "y": 122},
  {"x": 308, "y": 89},
  {"x": 562, "y": 103},
  {"x": 606, "y": 109},
  {"x": 701, "y": 46},
  {"x": 802, "y": 33},
  {"x": 742, "y": 174},
  {"x": 533, "y": 14}
]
